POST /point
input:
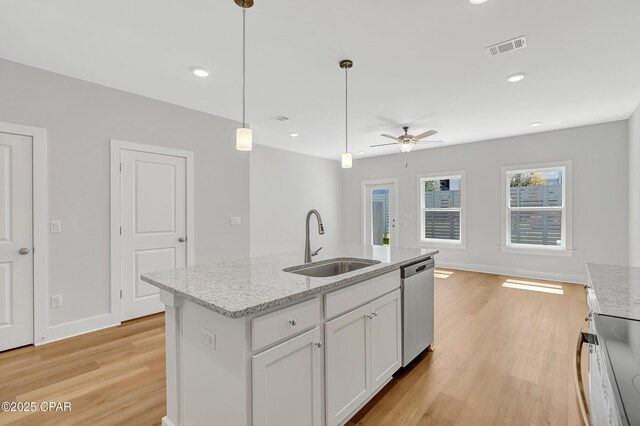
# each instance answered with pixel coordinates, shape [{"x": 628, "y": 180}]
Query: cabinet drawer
[
  {"x": 286, "y": 322},
  {"x": 355, "y": 295}
]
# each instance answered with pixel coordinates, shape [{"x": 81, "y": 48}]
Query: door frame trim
[
  {"x": 40, "y": 218},
  {"x": 363, "y": 207},
  {"x": 116, "y": 265}
]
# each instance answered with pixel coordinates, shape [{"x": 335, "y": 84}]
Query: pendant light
[
  {"x": 347, "y": 158},
  {"x": 244, "y": 135}
]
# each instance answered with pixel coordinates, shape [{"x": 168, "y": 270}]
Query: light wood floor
[{"x": 503, "y": 356}]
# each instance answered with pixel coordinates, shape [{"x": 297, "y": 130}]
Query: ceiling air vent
[
  {"x": 280, "y": 118},
  {"x": 507, "y": 46}
]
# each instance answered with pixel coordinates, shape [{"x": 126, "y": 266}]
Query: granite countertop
[
  {"x": 237, "y": 288},
  {"x": 617, "y": 290}
]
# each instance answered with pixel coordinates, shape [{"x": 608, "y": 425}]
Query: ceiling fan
[{"x": 407, "y": 141}]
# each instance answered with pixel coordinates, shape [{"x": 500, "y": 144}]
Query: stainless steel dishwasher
[{"x": 417, "y": 309}]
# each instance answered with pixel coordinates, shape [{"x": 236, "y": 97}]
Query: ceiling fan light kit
[
  {"x": 347, "y": 158},
  {"x": 244, "y": 135},
  {"x": 407, "y": 141},
  {"x": 406, "y": 147}
]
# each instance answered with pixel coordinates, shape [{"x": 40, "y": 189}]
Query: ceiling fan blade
[
  {"x": 390, "y": 137},
  {"x": 382, "y": 144},
  {"x": 424, "y": 135}
]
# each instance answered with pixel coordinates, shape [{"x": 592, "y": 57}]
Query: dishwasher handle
[{"x": 416, "y": 268}]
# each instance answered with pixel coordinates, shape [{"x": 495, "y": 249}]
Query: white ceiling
[{"x": 417, "y": 62}]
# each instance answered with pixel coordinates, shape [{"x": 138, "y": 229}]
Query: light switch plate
[
  {"x": 235, "y": 220},
  {"x": 209, "y": 339},
  {"x": 55, "y": 226}
]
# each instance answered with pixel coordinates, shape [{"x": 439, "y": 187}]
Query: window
[
  {"x": 442, "y": 204},
  {"x": 536, "y": 202}
]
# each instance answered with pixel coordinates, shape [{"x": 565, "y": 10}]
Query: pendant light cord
[
  {"x": 244, "y": 60},
  {"x": 346, "y": 109}
]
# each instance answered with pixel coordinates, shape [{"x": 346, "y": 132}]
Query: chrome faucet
[{"x": 307, "y": 245}]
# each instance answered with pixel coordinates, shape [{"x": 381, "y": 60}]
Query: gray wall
[
  {"x": 599, "y": 155},
  {"x": 81, "y": 118},
  {"x": 634, "y": 188},
  {"x": 284, "y": 187}
]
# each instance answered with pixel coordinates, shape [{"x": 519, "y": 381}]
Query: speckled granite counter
[
  {"x": 241, "y": 287},
  {"x": 616, "y": 289}
]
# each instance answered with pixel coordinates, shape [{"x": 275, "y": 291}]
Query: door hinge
[
  {"x": 120, "y": 294},
  {"x": 121, "y": 230},
  {"x": 121, "y": 167}
]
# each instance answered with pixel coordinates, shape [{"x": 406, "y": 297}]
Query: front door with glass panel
[{"x": 379, "y": 214}]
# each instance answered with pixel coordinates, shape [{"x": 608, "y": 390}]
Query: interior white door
[
  {"x": 348, "y": 381},
  {"x": 386, "y": 329},
  {"x": 379, "y": 214},
  {"x": 16, "y": 241},
  {"x": 153, "y": 234}
]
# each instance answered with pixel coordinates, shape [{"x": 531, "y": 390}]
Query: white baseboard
[
  {"x": 514, "y": 272},
  {"x": 76, "y": 328}
]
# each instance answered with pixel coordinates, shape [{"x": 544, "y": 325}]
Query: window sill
[
  {"x": 442, "y": 244},
  {"x": 539, "y": 251}
]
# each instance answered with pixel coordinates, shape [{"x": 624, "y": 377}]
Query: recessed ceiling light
[
  {"x": 536, "y": 124},
  {"x": 477, "y": 1},
  {"x": 294, "y": 135},
  {"x": 514, "y": 78},
  {"x": 200, "y": 72},
  {"x": 360, "y": 152}
]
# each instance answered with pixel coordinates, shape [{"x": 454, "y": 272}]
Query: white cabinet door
[
  {"x": 386, "y": 353},
  {"x": 348, "y": 378},
  {"x": 287, "y": 383}
]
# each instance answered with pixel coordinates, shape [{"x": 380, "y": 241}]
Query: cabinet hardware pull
[
  {"x": 319, "y": 344},
  {"x": 375, "y": 314},
  {"x": 293, "y": 322}
]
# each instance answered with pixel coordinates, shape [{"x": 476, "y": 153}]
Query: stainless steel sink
[{"x": 331, "y": 267}]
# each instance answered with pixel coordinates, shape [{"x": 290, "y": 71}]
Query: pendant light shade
[
  {"x": 347, "y": 160},
  {"x": 244, "y": 139},
  {"x": 244, "y": 136}
]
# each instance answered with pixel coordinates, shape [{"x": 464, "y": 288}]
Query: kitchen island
[{"x": 259, "y": 342}]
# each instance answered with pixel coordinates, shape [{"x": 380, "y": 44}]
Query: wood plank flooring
[{"x": 503, "y": 356}]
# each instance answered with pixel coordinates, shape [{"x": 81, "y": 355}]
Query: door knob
[
  {"x": 23, "y": 251},
  {"x": 182, "y": 239}
]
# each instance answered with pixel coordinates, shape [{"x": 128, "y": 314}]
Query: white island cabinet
[
  {"x": 313, "y": 354},
  {"x": 287, "y": 383}
]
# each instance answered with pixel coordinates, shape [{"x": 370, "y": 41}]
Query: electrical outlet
[
  {"x": 235, "y": 220},
  {"x": 56, "y": 301},
  {"x": 55, "y": 226},
  {"x": 209, "y": 339}
]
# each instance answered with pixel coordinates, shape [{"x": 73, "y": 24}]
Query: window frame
[
  {"x": 566, "y": 249},
  {"x": 435, "y": 242}
]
